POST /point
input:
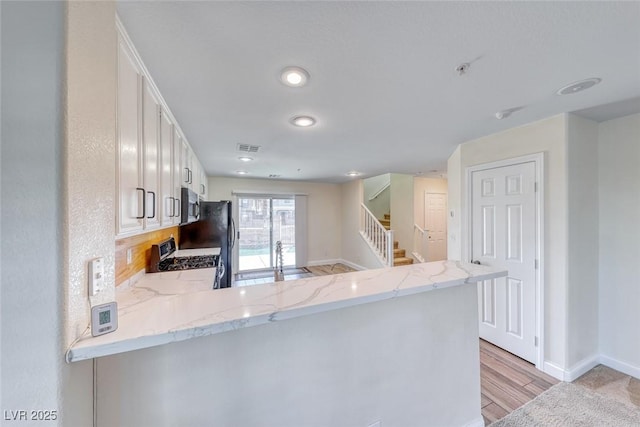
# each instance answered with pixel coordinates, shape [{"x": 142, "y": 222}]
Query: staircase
[{"x": 399, "y": 255}]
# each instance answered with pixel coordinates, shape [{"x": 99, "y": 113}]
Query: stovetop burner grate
[{"x": 188, "y": 263}]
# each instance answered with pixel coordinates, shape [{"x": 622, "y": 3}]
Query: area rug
[{"x": 570, "y": 405}]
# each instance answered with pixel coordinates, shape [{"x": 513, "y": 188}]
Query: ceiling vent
[{"x": 246, "y": 148}]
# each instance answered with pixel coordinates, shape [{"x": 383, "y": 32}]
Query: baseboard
[
  {"x": 554, "y": 370},
  {"x": 335, "y": 261},
  {"x": 581, "y": 368},
  {"x": 323, "y": 262},
  {"x": 478, "y": 422},
  {"x": 618, "y": 365},
  {"x": 353, "y": 265},
  {"x": 585, "y": 365}
]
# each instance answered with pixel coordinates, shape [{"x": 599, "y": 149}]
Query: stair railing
[
  {"x": 379, "y": 238},
  {"x": 420, "y": 242}
]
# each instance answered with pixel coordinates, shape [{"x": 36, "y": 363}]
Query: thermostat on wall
[{"x": 104, "y": 318}]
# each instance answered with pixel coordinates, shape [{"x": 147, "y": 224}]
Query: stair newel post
[{"x": 390, "y": 248}]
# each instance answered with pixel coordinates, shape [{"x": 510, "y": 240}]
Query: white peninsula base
[{"x": 406, "y": 361}]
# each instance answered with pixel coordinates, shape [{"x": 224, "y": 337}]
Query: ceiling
[{"x": 383, "y": 84}]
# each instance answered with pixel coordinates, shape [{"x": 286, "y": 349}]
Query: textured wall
[
  {"x": 89, "y": 183},
  {"x": 32, "y": 139},
  {"x": 382, "y": 203},
  {"x": 354, "y": 248},
  {"x": 323, "y": 221},
  {"x": 548, "y": 136},
  {"x": 402, "y": 210},
  {"x": 582, "y": 228},
  {"x": 619, "y": 287}
]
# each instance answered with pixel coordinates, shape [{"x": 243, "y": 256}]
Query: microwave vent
[
  {"x": 246, "y": 148},
  {"x": 273, "y": 175}
]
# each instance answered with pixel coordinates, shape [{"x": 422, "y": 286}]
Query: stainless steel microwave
[{"x": 190, "y": 206}]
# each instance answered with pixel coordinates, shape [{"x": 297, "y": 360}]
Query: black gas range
[{"x": 164, "y": 257}]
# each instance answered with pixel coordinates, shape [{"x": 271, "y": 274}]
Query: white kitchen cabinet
[
  {"x": 203, "y": 186},
  {"x": 154, "y": 160},
  {"x": 130, "y": 215},
  {"x": 168, "y": 209},
  {"x": 187, "y": 167},
  {"x": 195, "y": 184},
  {"x": 177, "y": 174},
  {"x": 151, "y": 155}
]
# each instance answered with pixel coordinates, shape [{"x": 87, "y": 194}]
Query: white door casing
[
  {"x": 435, "y": 224},
  {"x": 505, "y": 234}
]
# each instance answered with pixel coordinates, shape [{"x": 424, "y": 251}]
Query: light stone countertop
[{"x": 168, "y": 307}]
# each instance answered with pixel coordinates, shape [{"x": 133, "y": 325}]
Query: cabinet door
[
  {"x": 187, "y": 169},
  {"x": 167, "y": 202},
  {"x": 129, "y": 157},
  {"x": 195, "y": 171},
  {"x": 151, "y": 159},
  {"x": 177, "y": 174},
  {"x": 203, "y": 183}
]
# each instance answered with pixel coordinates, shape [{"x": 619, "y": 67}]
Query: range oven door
[{"x": 190, "y": 206}]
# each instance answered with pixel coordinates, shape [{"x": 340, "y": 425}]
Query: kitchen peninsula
[{"x": 395, "y": 344}]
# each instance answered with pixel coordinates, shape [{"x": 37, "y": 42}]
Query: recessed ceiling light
[
  {"x": 242, "y": 172},
  {"x": 578, "y": 86},
  {"x": 303, "y": 121},
  {"x": 245, "y": 159},
  {"x": 353, "y": 173},
  {"x": 294, "y": 76}
]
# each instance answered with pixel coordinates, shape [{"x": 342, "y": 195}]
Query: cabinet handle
[
  {"x": 187, "y": 179},
  {"x": 144, "y": 202},
  {"x": 190, "y": 176},
  {"x": 173, "y": 207},
  {"x": 177, "y": 210},
  {"x": 202, "y": 185},
  {"x": 154, "y": 204}
]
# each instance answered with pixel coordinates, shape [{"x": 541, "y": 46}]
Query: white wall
[
  {"x": 420, "y": 187},
  {"x": 354, "y": 249},
  {"x": 89, "y": 182},
  {"x": 323, "y": 205},
  {"x": 350, "y": 367},
  {"x": 382, "y": 203},
  {"x": 89, "y": 176},
  {"x": 548, "y": 136},
  {"x": 402, "y": 210},
  {"x": 58, "y": 133},
  {"x": 455, "y": 175},
  {"x": 582, "y": 254},
  {"x": 32, "y": 139},
  {"x": 619, "y": 213}
]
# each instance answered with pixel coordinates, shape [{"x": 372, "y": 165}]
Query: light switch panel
[{"x": 96, "y": 276}]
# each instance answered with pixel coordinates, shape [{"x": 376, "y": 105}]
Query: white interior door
[
  {"x": 504, "y": 235},
  {"x": 435, "y": 223}
]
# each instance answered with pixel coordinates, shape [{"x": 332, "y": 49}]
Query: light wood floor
[{"x": 507, "y": 382}]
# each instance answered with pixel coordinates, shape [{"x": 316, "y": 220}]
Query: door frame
[
  {"x": 237, "y": 195},
  {"x": 467, "y": 220}
]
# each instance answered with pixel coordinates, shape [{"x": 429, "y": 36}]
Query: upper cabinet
[
  {"x": 154, "y": 160},
  {"x": 131, "y": 196}
]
